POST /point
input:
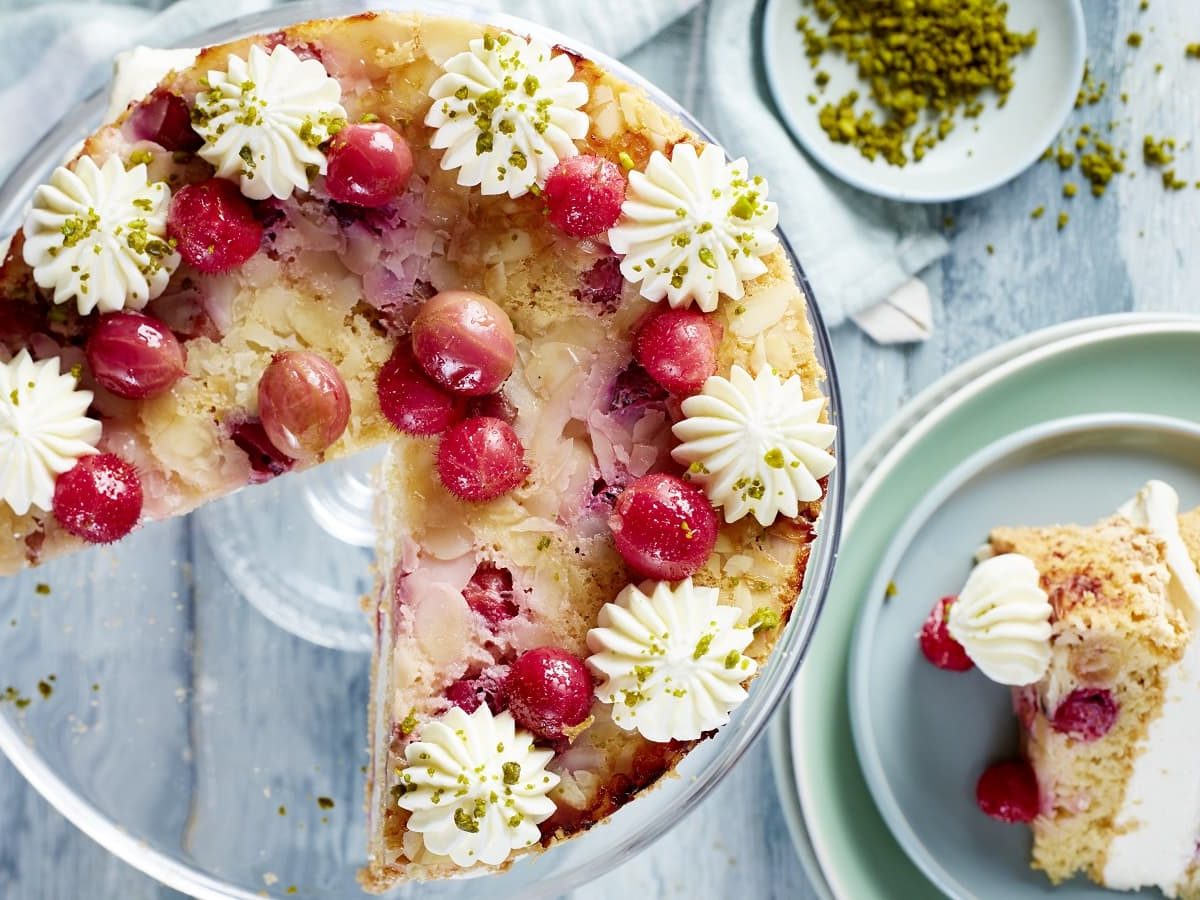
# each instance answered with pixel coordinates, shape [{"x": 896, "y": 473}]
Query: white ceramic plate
[{"x": 980, "y": 153}]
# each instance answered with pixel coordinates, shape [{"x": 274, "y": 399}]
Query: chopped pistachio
[
  {"x": 921, "y": 63},
  {"x": 1158, "y": 153},
  {"x": 763, "y": 619},
  {"x": 1171, "y": 183}
]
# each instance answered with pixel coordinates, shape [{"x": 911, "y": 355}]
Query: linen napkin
[{"x": 860, "y": 253}]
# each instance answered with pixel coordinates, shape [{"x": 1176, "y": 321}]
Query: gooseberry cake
[
  {"x": 1092, "y": 627},
  {"x": 567, "y": 317}
]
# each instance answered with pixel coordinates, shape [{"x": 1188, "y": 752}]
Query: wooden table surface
[{"x": 1129, "y": 250}]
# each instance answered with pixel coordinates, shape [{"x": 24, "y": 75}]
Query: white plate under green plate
[
  {"x": 1127, "y": 363},
  {"x": 924, "y": 736},
  {"x": 980, "y": 153}
]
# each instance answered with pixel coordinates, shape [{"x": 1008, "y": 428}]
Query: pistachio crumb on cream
[
  {"x": 755, "y": 444},
  {"x": 506, "y": 111},
  {"x": 672, "y": 659},
  {"x": 693, "y": 227},
  {"x": 264, "y": 120},
  {"x": 476, "y": 787},
  {"x": 44, "y": 429},
  {"x": 97, "y": 235},
  {"x": 1002, "y": 620}
]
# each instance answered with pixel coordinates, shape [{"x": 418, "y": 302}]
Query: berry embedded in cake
[
  {"x": 566, "y": 316},
  {"x": 1091, "y": 626}
]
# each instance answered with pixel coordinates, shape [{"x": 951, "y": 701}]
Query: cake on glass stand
[{"x": 566, "y": 316}]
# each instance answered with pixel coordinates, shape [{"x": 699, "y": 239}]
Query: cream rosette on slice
[{"x": 1001, "y": 618}]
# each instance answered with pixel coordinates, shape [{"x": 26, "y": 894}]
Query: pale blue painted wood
[{"x": 736, "y": 844}]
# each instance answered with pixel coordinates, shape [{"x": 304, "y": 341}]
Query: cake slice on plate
[
  {"x": 569, "y": 318},
  {"x": 1107, "y": 696}
]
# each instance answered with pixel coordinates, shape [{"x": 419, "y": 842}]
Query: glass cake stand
[{"x": 195, "y": 699}]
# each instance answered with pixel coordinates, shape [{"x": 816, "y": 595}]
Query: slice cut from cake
[
  {"x": 568, "y": 316},
  {"x": 1111, "y": 718}
]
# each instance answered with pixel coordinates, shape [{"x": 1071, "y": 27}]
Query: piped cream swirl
[
  {"x": 98, "y": 235},
  {"x": 265, "y": 118},
  {"x": 44, "y": 430},
  {"x": 506, "y": 111},
  {"x": 476, "y": 787},
  {"x": 1002, "y": 620},
  {"x": 671, "y": 658},
  {"x": 693, "y": 227},
  {"x": 755, "y": 444}
]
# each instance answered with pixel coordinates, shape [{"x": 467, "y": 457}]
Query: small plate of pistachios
[{"x": 924, "y": 101}]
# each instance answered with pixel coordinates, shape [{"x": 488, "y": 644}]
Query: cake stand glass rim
[{"x": 772, "y": 683}]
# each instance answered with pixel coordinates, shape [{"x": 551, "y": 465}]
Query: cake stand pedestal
[{"x": 300, "y": 549}]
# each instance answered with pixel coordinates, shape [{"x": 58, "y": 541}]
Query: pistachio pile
[{"x": 921, "y": 61}]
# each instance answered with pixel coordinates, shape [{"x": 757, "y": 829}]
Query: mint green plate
[
  {"x": 923, "y": 736},
  {"x": 1115, "y": 364}
]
